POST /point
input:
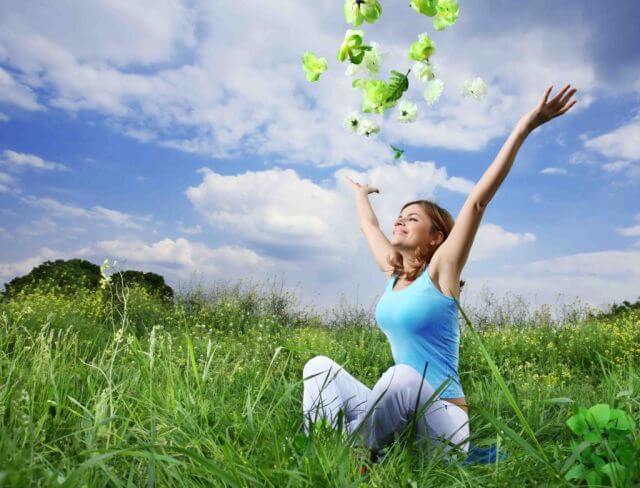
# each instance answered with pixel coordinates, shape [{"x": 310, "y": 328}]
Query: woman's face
[{"x": 411, "y": 228}]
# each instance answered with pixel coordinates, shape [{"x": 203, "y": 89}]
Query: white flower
[
  {"x": 367, "y": 128},
  {"x": 370, "y": 64},
  {"x": 373, "y": 59},
  {"x": 433, "y": 90},
  {"x": 407, "y": 111},
  {"x": 352, "y": 121},
  {"x": 475, "y": 88},
  {"x": 424, "y": 70}
]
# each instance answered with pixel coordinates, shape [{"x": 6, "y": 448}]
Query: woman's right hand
[{"x": 366, "y": 189}]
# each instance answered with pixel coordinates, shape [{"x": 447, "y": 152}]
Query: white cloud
[
  {"x": 14, "y": 92},
  {"x": 619, "y": 143},
  {"x": 196, "y": 229},
  {"x": 553, "y": 171},
  {"x": 492, "y": 240},
  {"x": 16, "y": 160},
  {"x": 8, "y": 184},
  {"x": 37, "y": 228},
  {"x": 615, "y": 166},
  {"x": 276, "y": 207},
  {"x": 4, "y": 117},
  {"x": 226, "y": 95},
  {"x": 98, "y": 213},
  {"x": 536, "y": 198}
]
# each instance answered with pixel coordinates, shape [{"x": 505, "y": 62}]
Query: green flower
[
  {"x": 313, "y": 66},
  {"x": 426, "y": 7},
  {"x": 433, "y": 91},
  {"x": 475, "y": 88},
  {"x": 424, "y": 70},
  {"x": 358, "y": 11},
  {"x": 370, "y": 63},
  {"x": 376, "y": 94},
  {"x": 352, "y": 47},
  {"x": 447, "y": 14},
  {"x": 422, "y": 49}
]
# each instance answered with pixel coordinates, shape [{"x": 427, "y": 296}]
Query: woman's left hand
[{"x": 545, "y": 111}]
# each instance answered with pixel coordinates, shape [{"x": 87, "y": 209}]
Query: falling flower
[
  {"x": 426, "y": 7},
  {"x": 367, "y": 128},
  {"x": 352, "y": 121},
  {"x": 447, "y": 14},
  {"x": 370, "y": 64},
  {"x": 422, "y": 48},
  {"x": 407, "y": 111},
  {"x": 352, "y": 47},
  {"x": 313, "y": 66},
  {"x": 358, "y": 11},
  {"x": 433, "y": 90},
  {"x": 475, "y": 88},
  {"x": 424, "y": 70}
]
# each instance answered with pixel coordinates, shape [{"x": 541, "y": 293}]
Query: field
[{"x": 101, "y": 391}]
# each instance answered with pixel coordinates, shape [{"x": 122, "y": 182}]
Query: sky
[{"x": 183, "y": 138}]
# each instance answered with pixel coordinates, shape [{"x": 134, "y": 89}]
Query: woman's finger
[
  {"x": 545, "y": 97},
  {"x": 566, "y": 98},
  {"x": 560, "y": 93},
  {"x": 566, "y": 108}
]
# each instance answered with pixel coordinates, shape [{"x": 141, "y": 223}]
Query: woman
[{"x": 418, "y": 313}]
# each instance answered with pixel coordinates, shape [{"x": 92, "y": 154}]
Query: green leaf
[
  {"x": 397, "y": 151},
  {"x": 577, "y": 424},
  {"x": 600, "y": 414},
  {"x": 576, "y": 472},
  {"x": 397, "y": 86}
]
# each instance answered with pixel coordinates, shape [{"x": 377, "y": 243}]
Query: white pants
[{"x": 380, "y": 413}]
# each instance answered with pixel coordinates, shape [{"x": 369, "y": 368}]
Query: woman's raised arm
[{"x": 455, "y": 249}]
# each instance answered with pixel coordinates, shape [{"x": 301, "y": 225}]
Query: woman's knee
[{"x": 316, "y": 364}]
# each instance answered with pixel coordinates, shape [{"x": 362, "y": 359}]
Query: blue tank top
[{"x": 422, "y": 326}]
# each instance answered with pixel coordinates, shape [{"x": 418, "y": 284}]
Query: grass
[{"x": 208, "y": 391}]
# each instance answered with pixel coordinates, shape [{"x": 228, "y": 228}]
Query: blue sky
[{"x": 183, "y": 138}]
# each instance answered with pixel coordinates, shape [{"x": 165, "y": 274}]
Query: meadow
[{"x": 104, "y": 390}]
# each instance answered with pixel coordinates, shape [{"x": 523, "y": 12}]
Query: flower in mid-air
[
  {"x": 446, "y": 15},
  {"x": 433, "y": 90},
  {"x": 475, "y": 88},
  {"x": 422, "y": 48},
  {"x": 407, "y": 111},
  {"x": 367, "y": 127},
  {"x": 313, "y": 65},
  {"x": 424, "y": 70},
  {"x": 358, "y": 11},
  {"x": 426, "y": 7},
  {"x": 370, "y": 64},
  {"x": 376, "y": 94},
  {"x": 352, "y": 121},
  {"x": 353, "y": 47}
]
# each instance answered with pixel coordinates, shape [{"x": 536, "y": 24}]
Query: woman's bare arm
[{"x": 455, "y": 249}]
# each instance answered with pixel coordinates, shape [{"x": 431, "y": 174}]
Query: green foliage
[
  {"x": 62, "y": 276},
  {"x": 67, "y": 277},
  {"x": 606, "y": 451}
]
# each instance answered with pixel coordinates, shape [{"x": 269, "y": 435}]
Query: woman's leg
[
  {"x": 391, "y": 406},
  {"x": 328, "y": 388}
]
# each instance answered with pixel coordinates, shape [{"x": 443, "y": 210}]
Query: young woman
[{"x": 418, "y": 313}]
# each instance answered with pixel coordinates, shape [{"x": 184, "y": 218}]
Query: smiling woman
[{"x": 420, "y": 318}]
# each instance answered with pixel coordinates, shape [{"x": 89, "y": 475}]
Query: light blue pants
[{"x": 380, "y": 413}]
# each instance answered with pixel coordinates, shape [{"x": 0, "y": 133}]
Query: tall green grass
[{"x": 208, "y": 391}]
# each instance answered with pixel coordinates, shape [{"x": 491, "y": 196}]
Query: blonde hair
[{"x": 441, "y": 220}]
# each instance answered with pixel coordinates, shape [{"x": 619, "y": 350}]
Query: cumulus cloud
[
  {"x": 16, "y": 160},
  {"x": 8, "y": 184},
  {"x": 178, "y": 75},
  {"x": 16, "y": 93},
  {"x": 59, "y": 209},
  {"x": 553, "y": 171},
  {"x": 621, "y": 142}
]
